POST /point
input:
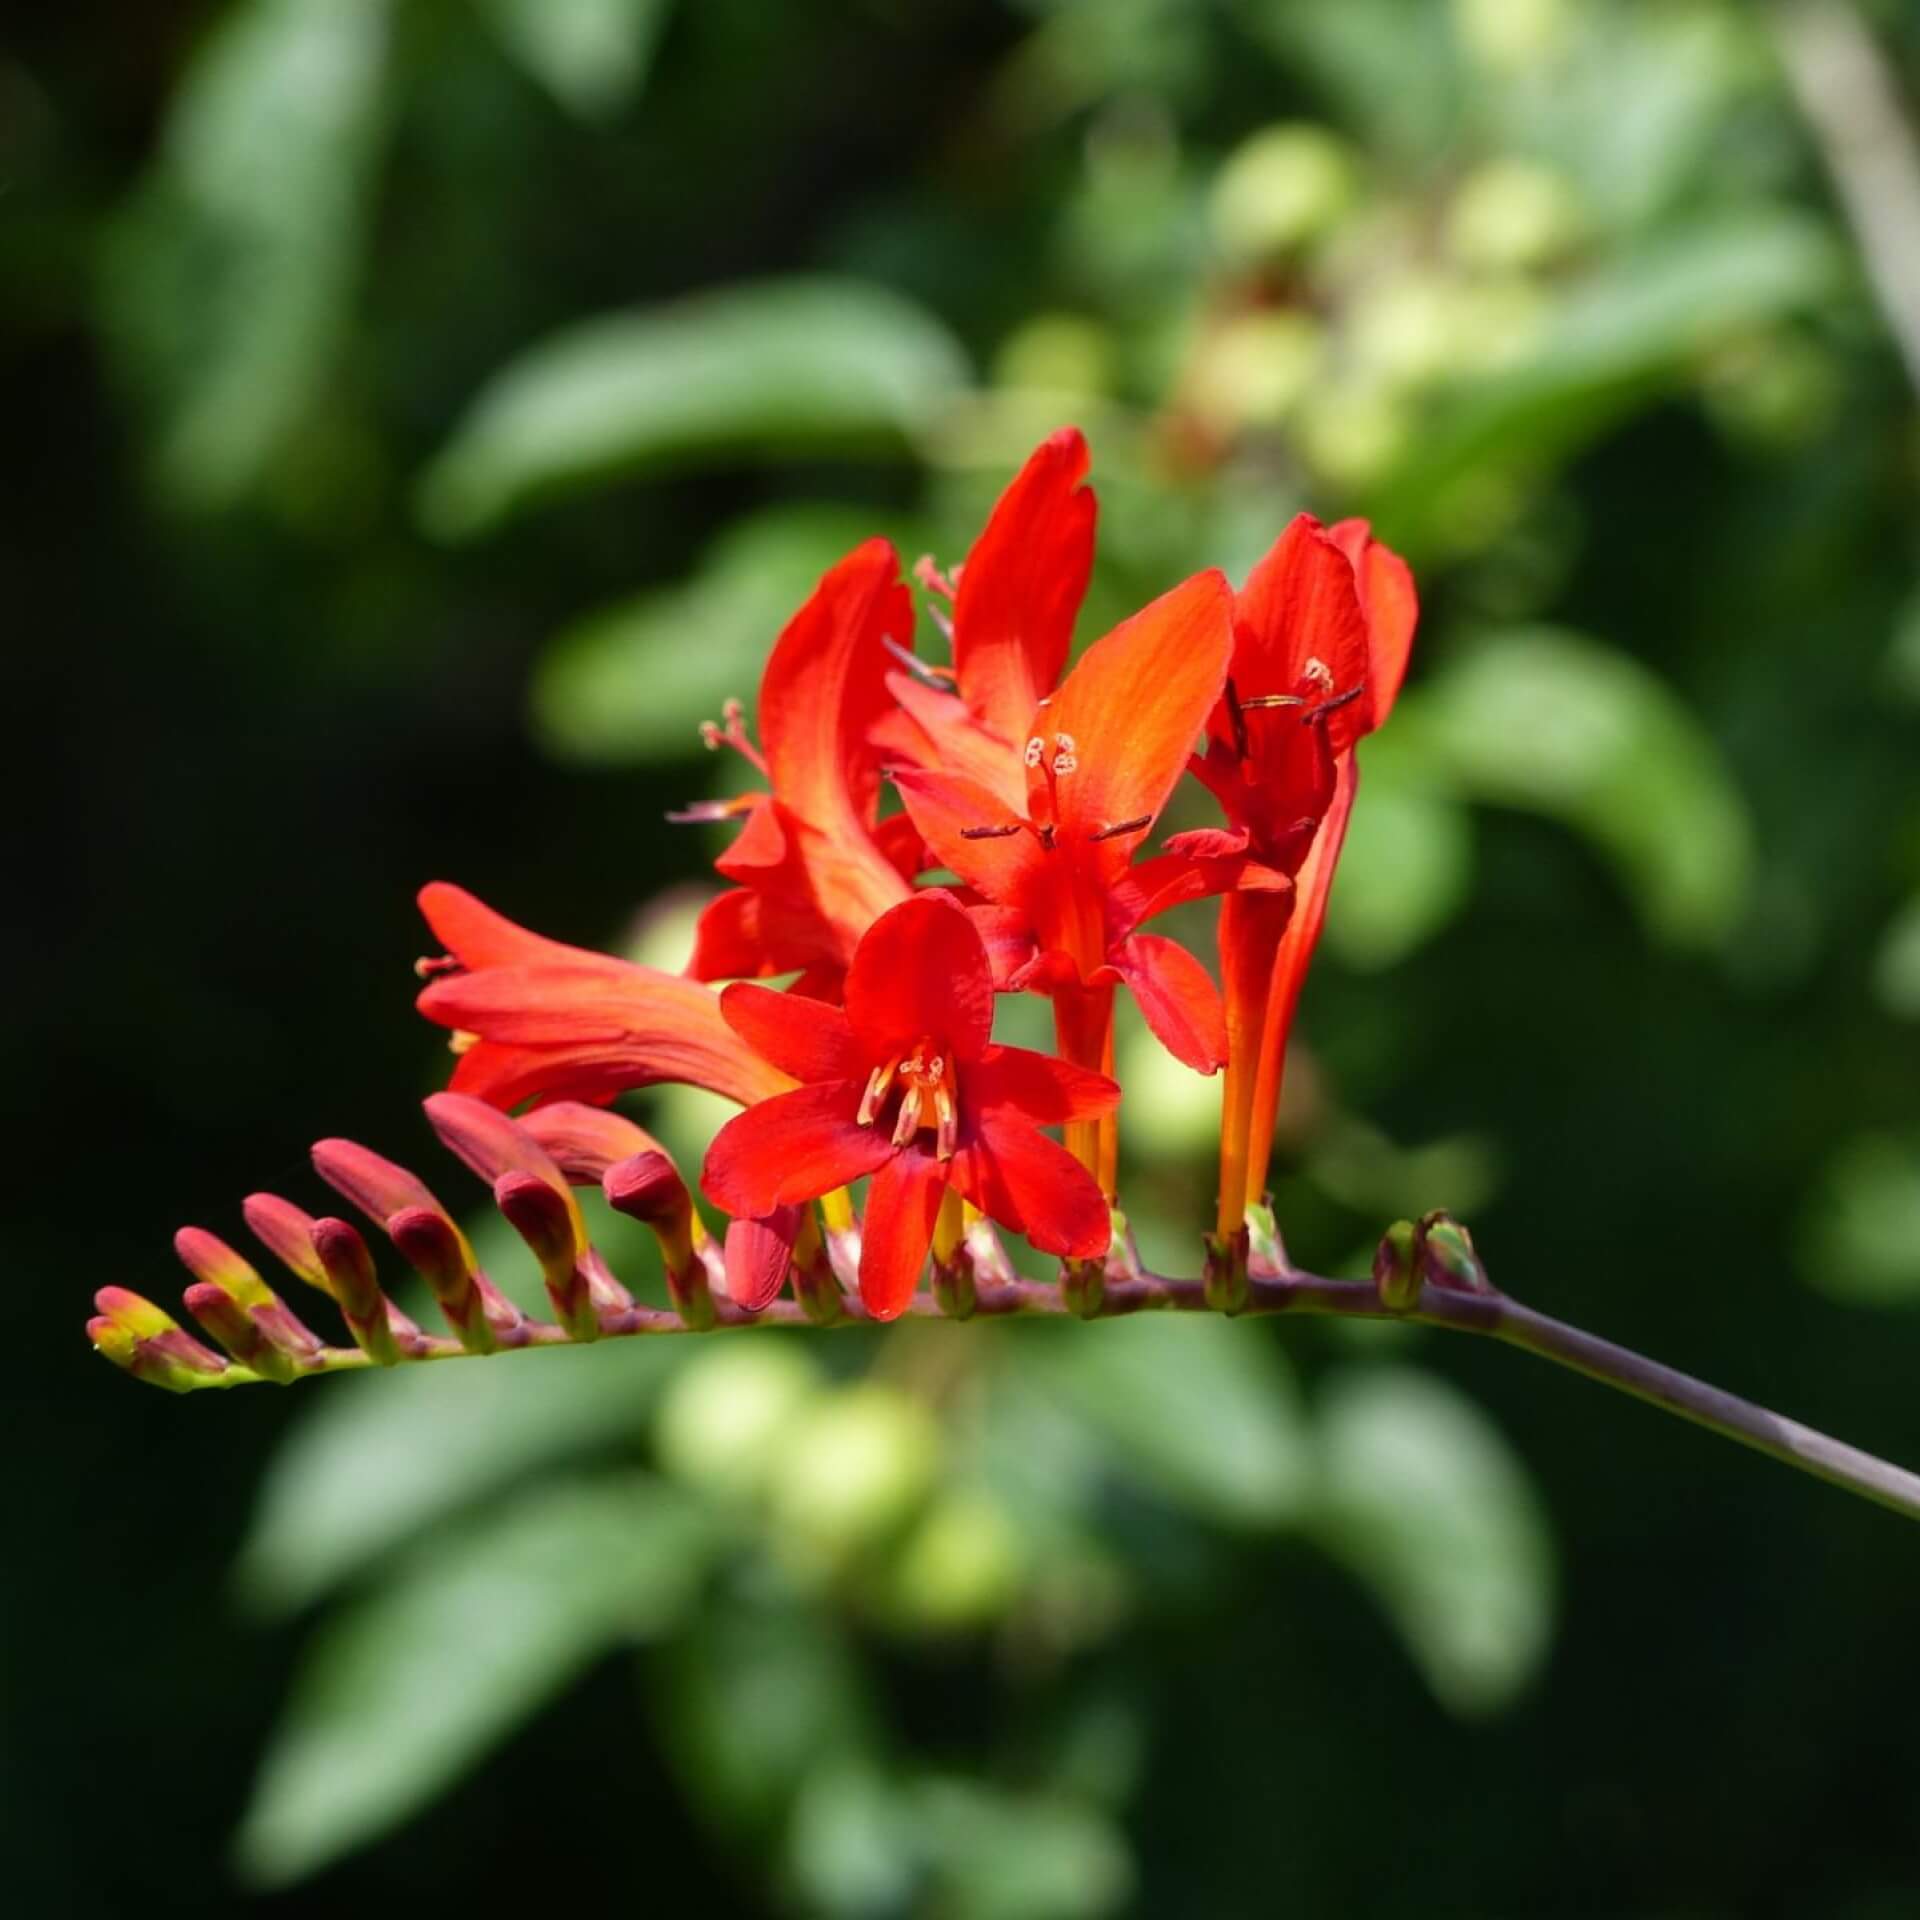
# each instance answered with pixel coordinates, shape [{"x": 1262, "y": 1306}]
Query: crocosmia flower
[{"x": 905, "y": 1084}]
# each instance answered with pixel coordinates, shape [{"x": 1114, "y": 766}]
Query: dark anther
[
  {"x": 1263, "y": 700},
  {"x": 1046, "y": 837},
  {"x": 1125, "y": 826},
  {"x": 1237, "y": 720},
  {"x": 987, "y": 833},
  {"x": 437, "y": 966},
  {"x": 1338, "y": 701}
]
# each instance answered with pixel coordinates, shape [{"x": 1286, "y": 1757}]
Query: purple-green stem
[{"x": 1271, "y": 1292}]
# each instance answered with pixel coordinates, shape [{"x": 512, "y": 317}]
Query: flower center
[{"x": 928, "y": 1090}]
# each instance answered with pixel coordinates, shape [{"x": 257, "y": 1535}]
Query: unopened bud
[
  {"x": 544, "y": 1217},
  {"x": 135, "y": 1334},
  {"x": 487, "y": 1141},
  {"x": 355, "y": 1284},
  {"x": 1396, "y": 1268},
  {"x": 372, "y": 1182},
  {"x": 240, "y": 1310},
  {"x": 431, "y": 1245},
  {"x": 286, "y": 1231},
  {"x": 647, "y": 1187},
  {"x": 1447, "y": 1257},
  {"x": 585, "y": 1142}
]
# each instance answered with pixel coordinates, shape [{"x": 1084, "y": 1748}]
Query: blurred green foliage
[{"x": 448, "y": 401}]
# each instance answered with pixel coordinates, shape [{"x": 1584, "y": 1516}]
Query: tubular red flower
[
  {"x": 535, "y": 1019},
  {"x": 1014, "y": 604},
  {"x": 906, "y": 1084},
  {"x": 813, "y": 873},
  {"x": 1099, "y": 760},
  {"x": 1322, "y": 632}
]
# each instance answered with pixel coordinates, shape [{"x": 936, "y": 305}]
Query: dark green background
[{"x": 240, "y": 730}]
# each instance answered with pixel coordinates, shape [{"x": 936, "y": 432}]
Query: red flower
[
  {"x": 1099, "y": 759},
  {"x": 906, "y": 1085},
  {"x": 534, "y": 1019},
  {"x": 1014, "y": 604},
  {"x": 1322, "y": 631},
  {"x": 814, "y": 866}
]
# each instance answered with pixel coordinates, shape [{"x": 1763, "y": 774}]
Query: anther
[
  {"x": 1036, "y": 749},
  {"x": 907, "y": 1124},
  {"x": 432, "y": 967},
  {"x": 1124, "y": 826},
  {"x": 1317, "y": 673},
  {"x": 1334, "y": 705},
  {"x": 878, "y": 1081},
  {"x": 988, "y": 833},
  {"x": 1066, "y": 743}
]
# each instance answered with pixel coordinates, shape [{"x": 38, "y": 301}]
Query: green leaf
[
  {"x": 1562, "y": 725},
  {"x": 1896, "y": 967},
  {"x": 229, "y": 281},
  {"x": 1407, "y": 866},
  {"x": 1633, "y": 329},
  {"x": 632, "y": 682},
  {"x": 1424, "y": 1500},
  {"x": 776, "y": 367},
  {"x": 591, "y": 55},
  {"x": 399, "y": 1697},
  {"x": 1200, "y": 1410},
  {"x": 997, "y": 1855},
  {"x": 380, "y": 1458},
  {"x": 1861, "y": 1238}
]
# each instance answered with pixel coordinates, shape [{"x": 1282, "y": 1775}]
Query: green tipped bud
[
  {"x": 1447, "y": 1257},
  {"x": 1396, "y": 1268},
  {"x": 354, "y": 1283},
  {"x": 135, "y": 1334}
]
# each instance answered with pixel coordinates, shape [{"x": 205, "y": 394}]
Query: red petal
[
  {"x": 921, "y": 973},
  {"x": 478, "y": 937},
  {"x": 801, "y": 1036},
  {"x": 825, "y": 686},
  {"x": 636, "y": 1024},
  {"x": 1036, "y": 1087},
  {"x": 1033, "y": 1185},
  {"x": 1133, "y": 705},
  {"x": 947, "y": 809},
  {"x": 1392, "y": 610},
  {"x": 758, "y": 1254},
  {"x": 902, "y": 1204},
  {"x": 1022, "y": 586},
  {"x": 1178, "y": 997},
  {"x": 791, "y": 1148},
  {"x": 958, "y": 741},
  {"x": 585, "y": 1141},
  {"x": 1008, "y": 940}
]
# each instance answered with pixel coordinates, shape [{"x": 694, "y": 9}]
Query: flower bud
[
  {"x": 545, "y": 1218},
  {"x": 584, "y": 1141},
  {"x": 135, "y": 1334},
  {"x": 1396, "y": 1268},
  {"x": 431, "y": 1245},
  {"x": 355, "y": 1284},
  {"x": 286, "y": 1231},
  {"x": 1447, "y": 1258},
  {"x": 647, "y": 1187},
  {"x": 240, "y": 1310}
]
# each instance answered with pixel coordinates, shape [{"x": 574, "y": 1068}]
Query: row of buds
[{"x": 531, "y": 1165}]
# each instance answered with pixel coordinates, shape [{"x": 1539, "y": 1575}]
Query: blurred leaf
[
  {"x": 228, "y": 282},
  {"x": 774, "y": 367},
  {"x": 1424, "y": 1500},
  {"x": 758, "y": 1700},
  {"x": 1561, "y": 725},
  {"x": 633, "y": 682},
  {"x": 1407, "y": 867},
  {"x": 1199, "y": 1409},
  {"x": 400, "y": 1696},
  {"x": 591, "y": 55},
  {"x": 1371, "y": 1174},
  {"x": 1619, "y": 339},
  {"x": 1896, "y": 967},
  {"x": 1018, "y": 1855},
  {"x": 378, "y": 1459},
  {"x": 1861, "y": 1238},
  {"x": 850, "y": 1849}
]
